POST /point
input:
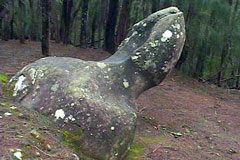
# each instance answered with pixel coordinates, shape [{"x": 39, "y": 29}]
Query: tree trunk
[
  {"x": 33, "y": 33},
  {"x": 67, "y": 19},
  {"x": 238, "y": 79},
  {"x": 84, "y": 17},
  {"x": 21, "y": 4},
  {"x": 123, "y": 24},
  {"x": 93, "y": 29},
  {"x": 146, "y": 10},
  {"x": 45, "y": 26},
  {"x": 103, "y": 20},
  {"x": 155, "y": 5},
  {"x": 5, "y": 32},
  {"x": 228, "y": 37},
  {"x": 111, "y": 25},
  {"x": 167, "y": 3},
  {"x": 12, "y": 20},
  {"x": 55, "y": 22},
  {"x": 190, "y": 15}
]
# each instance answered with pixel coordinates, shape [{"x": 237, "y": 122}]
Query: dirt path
[{"x": 180, "y": 119}]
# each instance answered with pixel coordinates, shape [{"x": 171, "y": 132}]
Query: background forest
[{"x": 211, "y": 53}]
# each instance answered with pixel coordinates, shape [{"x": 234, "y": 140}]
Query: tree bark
[
  {"x": 190, "y": 15},
  {"x": 123, "y": 24},
  {"x": 155, "y": 5},
  {"x": 111, "y": 25},
  {"x": 21, "y": 4},
  {"x": 93, "y": 29},
  {"x": 67, "y": 19},
  {"x": 5, "y": 32},
  {"x": 84, "y": 17},
  {"x": 33, "y": 33},
  {"x": 12, "y": 20},
  {"x": 55, "y": 22},
  {"x": 45, "y": 26},
  {"x": 103, "y": 20},
  {"x": 228, "y": 37}
]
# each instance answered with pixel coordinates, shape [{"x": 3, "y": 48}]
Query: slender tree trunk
[
  {"x": 55, "y": 22},
  {"x": 93, "y": 29},
  {"x": 111, "y": 25},
  {"x": 21, "y": 4},
  {"x": 5, "y": 33},
  {"x": 155, "y": 5},
  {"x": 33, "y": 33},
  {"x": 145, "y": 5},
  {"x": 12, "y": 20},
  {"x": 67, "y": 19},
  {"x": 103, "y": 20},
  {"x": 238, "y": 79},
  {"x": 84, "y": 17},
  {"x": 45, "y": 26},
  {"x": 167, "y": 3},
  {"x": 123, "y": 24},
  {"x": 228, "y": 37},
  {"x": 190, "y": 15}
]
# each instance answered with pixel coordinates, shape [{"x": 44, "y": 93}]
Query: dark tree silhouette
[
  {"x": 45, "y": 26},
  {"x": 123, "y": 24},
  {"x": 111, "y": 25},
  {"x": 21, "y": 4},
  {"x": 67, "y": 18},
  {"x": 83, "y": 32}
]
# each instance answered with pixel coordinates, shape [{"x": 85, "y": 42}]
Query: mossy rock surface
[{"x": 92, "y": 103}]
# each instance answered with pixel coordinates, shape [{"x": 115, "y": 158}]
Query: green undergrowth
[
  {"x": 140, "y": 145},
  {"x": 3, "y": 78}
]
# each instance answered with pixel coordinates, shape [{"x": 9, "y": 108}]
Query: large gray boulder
[{"x": 94, "y": 100}]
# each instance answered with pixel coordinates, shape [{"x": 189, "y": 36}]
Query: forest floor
[{"x": 180, "y": 119}]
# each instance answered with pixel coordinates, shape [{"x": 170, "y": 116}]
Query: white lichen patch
[
  {"x": 112, "y": 128},
  {"x": 13, "y": 107},
  {"x": 137, "y": 24},
  {"x": 148, "y": 64},
  {"x": 138, "y": 53},
  {"x": 134, "y": 45},
  {"x": 7, "y": 114},
  {"x": 69, "y": 118},
  {"x": 134, "y": 57},
  {"x": 101, "y": 65},
  {"x": 144, "y": 24},
  {"x": 18, "y": 155},
  {"x": 19, "y": 86},
  {"x": 176, "y": 26},
  {"x": 32, "y": 73},
  {"x": 166, "y": 36},
  {"x": 55, "y": 87},
  {"x": 154, "y": 44},
  {"x": 59, "y": 114},
  {"x": 125, "y": 83},
  {"x": 134, "y": 33}
]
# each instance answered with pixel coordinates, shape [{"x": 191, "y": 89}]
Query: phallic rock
[{"x": 93, "y": 100}]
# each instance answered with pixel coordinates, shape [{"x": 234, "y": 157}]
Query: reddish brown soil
[
  {"x": 181, "y": 119},
  {"x": 14, "y": 56}
]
